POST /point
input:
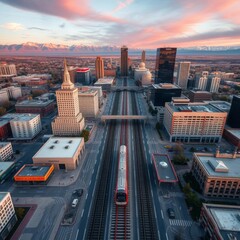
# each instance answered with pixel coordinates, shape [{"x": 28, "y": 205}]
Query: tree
[
  {"x": 179, "y": 159},
  {"x": 2, "y": 111},
  {"x": 85, "y": 134}
]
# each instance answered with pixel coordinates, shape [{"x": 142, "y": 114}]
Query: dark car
[
  {"x": 78, "y": 192},
  {"x": 171, "y": 213}
]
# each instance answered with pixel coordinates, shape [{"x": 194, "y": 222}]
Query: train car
[{"x": 121, "y": 193}]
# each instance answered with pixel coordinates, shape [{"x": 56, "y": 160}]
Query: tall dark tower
[
  {"x": 143, "y": 58},
  {"x": 124, "y": 61},
  {"x": 234, "y": 113},
  {"x": 165, "y": 62}
]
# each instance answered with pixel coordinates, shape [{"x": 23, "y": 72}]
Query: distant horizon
[{"x": 138, "y": 24}]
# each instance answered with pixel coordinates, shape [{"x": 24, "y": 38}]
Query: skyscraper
[
  {"x": 234, "y": 113},
  {"x": 143, "y": 56},
  {"x": 165, "y": 62},
  {"x": 99, "y": 67},
  {"x": 69, "y": 121},
  {"x": 124, "y": 61},
  {"x": 182, "y": 75},
  {"x": 213, "y": 83}
]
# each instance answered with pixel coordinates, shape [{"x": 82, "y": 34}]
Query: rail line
[
  {"x": 147, "y": 223},
  {"x": 97, "y": 221}
]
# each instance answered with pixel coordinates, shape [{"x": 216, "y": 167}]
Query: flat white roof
[
  {"x": 4, "y": 166},
  {"x": 59, "y": 147},
  {"x": 20, "y": 116},
  {"x": 104, "y": 81}
]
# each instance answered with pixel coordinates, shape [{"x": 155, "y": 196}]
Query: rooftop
[
  {"x": 20, "y": 116},
  {"x": 194, "y": 107},
  {"x": 2, "y": 195},
  {"x": 221, "y": 105},
  {"x": 34, "y": 170},
  {"x": 82, "y": 70},
  {"x": 220, "y": 167},
  {"x": 59, "y": 147},
  {"x": 104, "y": 81},
  {"x": 34, "y": 103},
  {"x": 3, "y": 144},
  {"x": 164, "y": 169},
  {"x": 4, "y": 166},
  {"x": 165, "y": 86},
  {"x": 227, "y": 219},
  {"x": 235, "y": 132},
  {"x": 4, "y": 121},
  {"x": 87, "y": 92}
]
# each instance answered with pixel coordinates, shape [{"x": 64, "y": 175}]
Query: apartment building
[{"x": 6, "y": 151}]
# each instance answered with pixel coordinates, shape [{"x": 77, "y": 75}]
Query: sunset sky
[{"x": 136, "y": 23}]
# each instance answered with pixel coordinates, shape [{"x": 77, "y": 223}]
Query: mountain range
[{"x": 49, "y": 49}]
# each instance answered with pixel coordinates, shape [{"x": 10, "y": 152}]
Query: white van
[{"x": 74, "y": 202}]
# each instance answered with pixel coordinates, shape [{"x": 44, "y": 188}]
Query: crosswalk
[{"x": 179, "y": 222}]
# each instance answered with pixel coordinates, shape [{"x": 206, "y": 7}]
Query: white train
[{"x": 121, "y": 193}]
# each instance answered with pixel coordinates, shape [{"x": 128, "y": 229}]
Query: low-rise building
[
  {"x": 221, "y": 222},
  {"x": 82, "y": 75},
  {"x": 23, "y": 125},
  {"x": 42, "y": 107},
  {"x": 34, "y": 173},
  {"x": 105, "y": 83},
  {"x": 8, "y": 216},
  {"x": 194, "y": 122},
  {"x": 217, "y": 174},
  {"x": 6, "y": 169},
  {"x": 3, "y": 96},
  {"x": 6, "y": 151},
  {"x": 88, "y": 103},
  {"x": 232, "y": 135},
  {"x": 199, "y": 96},
  {"x": 5, "y": 128},
  {"x": 63, "y": 152}
]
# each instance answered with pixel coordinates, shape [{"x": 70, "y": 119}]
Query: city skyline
[{"x": 173, "y": 23}]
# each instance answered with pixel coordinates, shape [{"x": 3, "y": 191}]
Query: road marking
[
  {"x": 166, "y": 236},
  {"x": 162, "y": 214},
  {"x": 82, "y": 213},
  {"x": 86, "y": 196},
  {"x": 77, "y": 234}
]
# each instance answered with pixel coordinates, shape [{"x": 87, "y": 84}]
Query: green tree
[{"x": 85, "y": 134}]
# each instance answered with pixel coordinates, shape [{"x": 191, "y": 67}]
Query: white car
[{"x": 74, "y": 202}]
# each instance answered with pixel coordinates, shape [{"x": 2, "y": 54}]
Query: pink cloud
[{"x": 121, "y": 5}]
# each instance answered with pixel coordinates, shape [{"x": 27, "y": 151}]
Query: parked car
[
  {"x": 78, "y": 192},
  {"x": 171, "y": 213},
  {"x": 74, "y": 202}
]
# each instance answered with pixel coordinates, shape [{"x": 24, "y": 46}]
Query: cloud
[
  {"x": 13, "y": 26},
  {"x": 37, "y": 28},
  {"x": 70, "y": 10},
  {"x": 122, "y": 4},
  {"x": 62, "y": 25}
]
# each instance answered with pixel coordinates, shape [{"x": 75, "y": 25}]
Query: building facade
[
  {"x": 182, "y": 74},
  {"x": 63, "y": 152},
  {"x": 217, "y": 174},
  {"x": 214, "y": 83},
  {"x": 105, "y": 83},
  {"x": 142, "y": 74},
  {"x": 6, "y": 151},
  {"x": 164, "y": 92},
  {"x": 201, "y": 83},
  {"x": 165, "y": 62},
  {"x": 232, "y": 136},
  {"x": 7, "y": 70},
  {"x": 234, "y": 113},
  {"x": 82, "y": 76},
  {"x": 3, "y": 96},
  {"x": 42, "y": 107},
  {"x": 194, "y": 122},
  {"x": 124, "y": 61},
  {"x": 220, "y": 222},
  {"x": 69, "y": 121},
  {"x": 88, "y": 103},
  {"x": 99, "y": 67},
  {"x": 143, "y": 57},
  {"x": 8, "y": 216},
  {"x": 25, "y": 126},
  {"x": 199, "y": 96},
  {"x": 5, "y": 128}
]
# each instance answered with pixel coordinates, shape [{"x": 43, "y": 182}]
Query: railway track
[
  {"x": 120, "y": 226},
  {"x": 97, "y": 221},
  {"x": 147, "y": 223}
]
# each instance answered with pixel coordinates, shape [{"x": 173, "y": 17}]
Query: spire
[{"x": 67, "y": 84}]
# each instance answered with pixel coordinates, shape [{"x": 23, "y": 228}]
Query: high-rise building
[
  {"x": 7, "y": 213},
  {"x": 201, "y": 82},
  {"x": 165, "y": 62},
  {"x": 182, "y": 75},
  {"x": 124, "y": 61},
  {"x": 7, "y": 70},
  {"x": 82, "y": 76},
  {"x": 234, "y": 113},
  {"x": 99, "y": 67},
  {"x": 143, "y": 59},
  {"x": 69, "y": 121},
  {"x": 194, "y": 122},
  {"x": 213, "y": 83}
]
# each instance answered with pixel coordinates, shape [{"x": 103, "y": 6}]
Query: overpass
[{"x": 125, "y": 117}]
